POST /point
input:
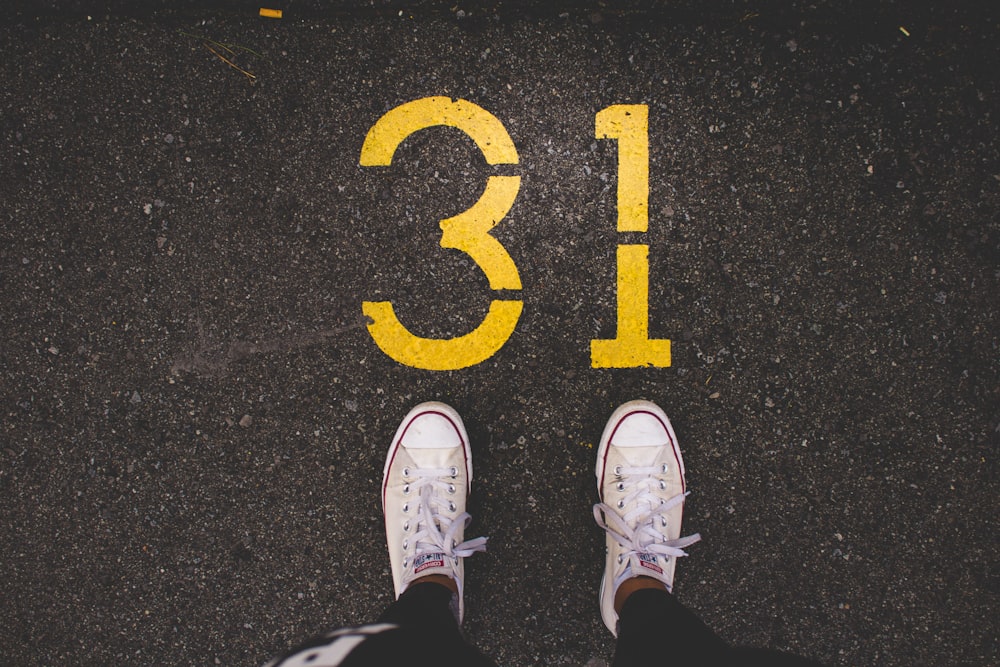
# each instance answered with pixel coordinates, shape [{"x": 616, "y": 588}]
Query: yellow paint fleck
[
  {"x": 270, "y": 13},
  {"x": 904, "y": 31}
]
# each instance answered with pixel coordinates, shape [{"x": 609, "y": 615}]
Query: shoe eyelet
[
  {"x": 406, "y": 472},
  {"x": 406, "y": 526},
  {"x": 620, "y": 559},
  {"x": 406, "y": 544},
  {"x": 618, "y": 470},
  {"x": 451, "y": 488},
  {"x": 451, "y": 507},
  {"x": 665, "y": 468},
  {"x": 406, "y": 562},
  {"x": 621, "y": 486},
  {"x": 406, "y": 507},
  {"x": 663, "y": 521},
  {"x": 621, "y": 504},
  {"x": 454, "y": 472},
  {"x": 406, "y": 489},
  {"x": 663, "y": 485}
]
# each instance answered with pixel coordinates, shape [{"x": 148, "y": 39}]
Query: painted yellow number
[
  {"x": 632, "y": 346},
  {"x": 468, "y": 232},
  {"x": 629, "y": 124}
]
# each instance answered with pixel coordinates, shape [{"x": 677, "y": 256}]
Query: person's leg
[
  {"x": 426, "y": 611},
  {"x": 761, "y": 657},
  {"x": 652, "y": 619},
  {"x": 425, "y": 482},
  {"x": 419, "y": 623},
  {"x": 640, "y": 479}
]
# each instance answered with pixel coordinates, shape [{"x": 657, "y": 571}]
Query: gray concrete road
[{"x": 195, "y": 413}]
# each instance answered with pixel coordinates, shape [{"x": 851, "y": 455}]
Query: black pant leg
[
  {"x": 425, "y": 606},
  {"x": 426, "y": 615},
  {"x": 759, "y": 657},
  {"x": 417, "y": 629},
  {"x": 655, "y": 630}
]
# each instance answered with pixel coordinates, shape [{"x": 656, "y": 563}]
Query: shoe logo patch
[
  {"x": 648, "y": 561},
  {"x": 421, "y": 563}
]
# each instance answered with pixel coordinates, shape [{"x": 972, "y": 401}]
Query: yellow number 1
[{"x": 632, "y": 346}]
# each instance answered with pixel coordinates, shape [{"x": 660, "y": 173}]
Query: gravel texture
[{"x": 194, "y": 416}]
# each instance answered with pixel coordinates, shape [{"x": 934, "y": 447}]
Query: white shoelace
[
  {"x": 638, "y": 530},
  {"x": 434, "y": 532}
]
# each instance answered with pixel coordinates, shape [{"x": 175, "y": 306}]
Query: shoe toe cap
[
  {"x": 641, "y": 429},
  {"x": 432, "y": 430}
]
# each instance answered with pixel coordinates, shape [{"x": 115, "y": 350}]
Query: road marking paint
[
  {"x": 628, "y": 124},
  {"x": 397, "y": 124},
  {"x": 468, "y": 232},
  {"x": 631, "y": 347},
  {"x": 442, "y": 354}
]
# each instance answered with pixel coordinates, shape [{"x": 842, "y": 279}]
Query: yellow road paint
[
  {"x": 397, "y": 124},
  {"x": 629, "y": 124},
  {"x": 632, "y": 346},
  {"x": 467, "y": 232},
  {"x": 270, "y": 13},
  {"x": 442, "y": 354}
]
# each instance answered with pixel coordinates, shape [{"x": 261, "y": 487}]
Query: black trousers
[{"x": 419, "y": 629}]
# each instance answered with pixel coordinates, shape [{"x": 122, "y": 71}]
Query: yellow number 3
[{"x": 467, "y": 231}]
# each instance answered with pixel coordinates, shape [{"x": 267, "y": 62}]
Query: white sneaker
[
  {"x": 640, "y": 480},
  {"x": 424, "y": 485}
]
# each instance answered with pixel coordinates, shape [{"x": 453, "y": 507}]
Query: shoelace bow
[
  {"x": 638, "y": 529},
  {"x": 428, "y": 536}
]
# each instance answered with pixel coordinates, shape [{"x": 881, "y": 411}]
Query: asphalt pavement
[{"x": 197, "y": 393}]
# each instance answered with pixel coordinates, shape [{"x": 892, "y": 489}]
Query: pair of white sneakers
[{"x": 640, "y": 480}]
